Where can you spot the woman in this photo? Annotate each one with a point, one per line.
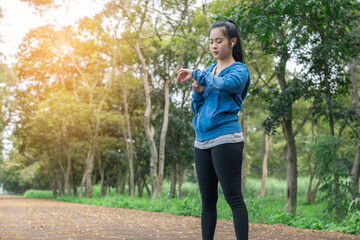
(218, 94)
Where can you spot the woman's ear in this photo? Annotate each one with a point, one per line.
(233, 42)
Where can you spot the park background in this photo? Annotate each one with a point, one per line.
(93, 113)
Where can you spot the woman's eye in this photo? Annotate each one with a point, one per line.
(218, 42)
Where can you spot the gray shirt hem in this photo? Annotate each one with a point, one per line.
(227, 138)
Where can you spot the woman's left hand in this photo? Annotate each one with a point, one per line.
(184, 75)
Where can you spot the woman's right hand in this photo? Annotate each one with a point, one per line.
(197, 88)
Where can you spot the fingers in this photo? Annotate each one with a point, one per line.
(181, 74)
(184, 75)
(178, 78)
(181, 70)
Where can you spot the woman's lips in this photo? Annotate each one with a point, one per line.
(215, 53)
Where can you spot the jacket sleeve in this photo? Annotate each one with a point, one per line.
(235, 81)
(197, 101)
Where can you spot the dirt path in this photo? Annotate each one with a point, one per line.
(24, 218)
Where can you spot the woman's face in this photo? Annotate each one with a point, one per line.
(219, 44)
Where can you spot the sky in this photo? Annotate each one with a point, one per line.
(19, 18)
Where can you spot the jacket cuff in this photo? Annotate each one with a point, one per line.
(195, 73)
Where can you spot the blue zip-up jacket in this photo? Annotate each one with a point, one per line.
(216, 109)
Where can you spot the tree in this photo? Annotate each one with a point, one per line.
(55, 125)
(85, 76)
(270, 30)
(314, 172)
(142, 28)
(329, 22)
(275, 25)
(263, 77)
(136, 21)
(355, 171)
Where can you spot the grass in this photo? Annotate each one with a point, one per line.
(269, 210)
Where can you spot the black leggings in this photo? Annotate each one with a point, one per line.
(221, 163)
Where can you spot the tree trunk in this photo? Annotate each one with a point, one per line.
(122, 186)
(180, 172)
(267, 142)
(164, 127)
(243, 167)
(59, 177)
(60, 185)
(108, 187)
(102, 176)
(129, 146)
(53, 185)
(291, 167)
(89, 165)
(117, 178)
(290, 147)
(140, 186)
(68, 171)
(146, 186)
(328, 100)
(74, 186)
(180, 178)
(173, 179)
(149, 129)
(311, 193)
(355, 171)
(67, 151)
(82, 185)
(163, 135)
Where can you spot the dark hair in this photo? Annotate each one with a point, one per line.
(231, 31)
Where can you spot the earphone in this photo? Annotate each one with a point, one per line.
(232, 44)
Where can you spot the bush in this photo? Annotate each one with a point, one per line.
(38, 194)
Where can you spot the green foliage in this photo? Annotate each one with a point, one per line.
(315, 34)
(354, 205)
(334, 168)
(280, 107)
(31, 193)
(21, 173)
